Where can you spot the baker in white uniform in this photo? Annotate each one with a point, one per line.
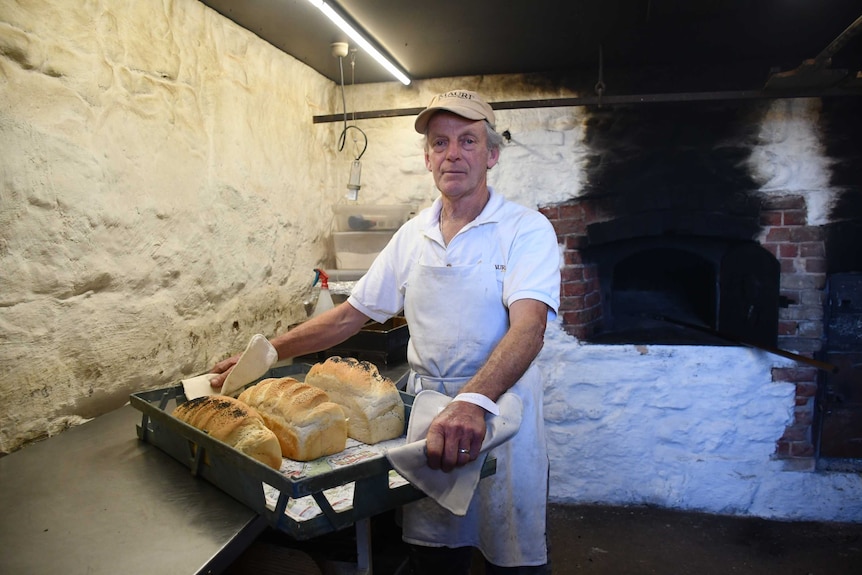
(477, 278)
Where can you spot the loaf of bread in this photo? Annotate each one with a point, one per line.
(371, 402)
(235, 423)
(305, 422)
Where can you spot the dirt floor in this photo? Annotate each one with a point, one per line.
(609, 541)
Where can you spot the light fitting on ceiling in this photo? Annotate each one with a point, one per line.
(345, 27)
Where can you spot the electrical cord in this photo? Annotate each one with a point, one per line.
(342, 139)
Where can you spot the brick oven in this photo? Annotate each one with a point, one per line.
(674, 242)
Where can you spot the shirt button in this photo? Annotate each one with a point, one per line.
(448, 265)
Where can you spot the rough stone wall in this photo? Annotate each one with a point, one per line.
(163, 198)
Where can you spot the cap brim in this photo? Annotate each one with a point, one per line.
(421, 123)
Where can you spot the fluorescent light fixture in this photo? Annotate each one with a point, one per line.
(360, 39)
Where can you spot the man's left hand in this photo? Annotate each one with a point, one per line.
(455, 436)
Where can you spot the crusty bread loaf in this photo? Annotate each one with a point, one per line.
(305, 422)
(235, 423)
(371, 402)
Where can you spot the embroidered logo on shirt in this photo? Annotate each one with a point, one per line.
(500, 267)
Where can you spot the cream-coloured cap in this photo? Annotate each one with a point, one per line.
(465, 103)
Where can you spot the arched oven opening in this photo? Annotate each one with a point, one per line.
(689, 290)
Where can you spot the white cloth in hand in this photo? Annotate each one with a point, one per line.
(255, 361)
(453, 490)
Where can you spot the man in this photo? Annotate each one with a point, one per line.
(477, 278)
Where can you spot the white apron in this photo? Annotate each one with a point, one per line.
(456, 318)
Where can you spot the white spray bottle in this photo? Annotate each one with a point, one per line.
(324, 300)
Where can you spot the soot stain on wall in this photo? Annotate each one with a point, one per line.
(675, 148)
(841, 124)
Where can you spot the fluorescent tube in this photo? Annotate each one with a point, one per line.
(359, 39)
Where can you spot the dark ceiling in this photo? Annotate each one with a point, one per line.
(633, 46)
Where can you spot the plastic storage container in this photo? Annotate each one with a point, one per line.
(364, 218)
(357, 250)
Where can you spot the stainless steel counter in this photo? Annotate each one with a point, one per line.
(95, 499)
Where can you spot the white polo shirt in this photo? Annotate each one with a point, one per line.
(520, 242)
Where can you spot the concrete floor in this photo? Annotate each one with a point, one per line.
(638, 540)
(610, 541)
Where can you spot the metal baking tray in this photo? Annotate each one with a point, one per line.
(366, 476)
(380, 343)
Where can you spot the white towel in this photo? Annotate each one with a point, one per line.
(255, 361)
(453, 490)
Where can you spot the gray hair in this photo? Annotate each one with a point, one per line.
(495, 139)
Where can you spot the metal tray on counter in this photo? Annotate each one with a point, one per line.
(303, 500)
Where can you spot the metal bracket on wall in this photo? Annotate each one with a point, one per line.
(606, 100)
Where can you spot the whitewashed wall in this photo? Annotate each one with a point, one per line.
(160, 179)
(165, 195)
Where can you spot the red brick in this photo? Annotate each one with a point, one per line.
(593, 299)
(806, 389)
(771, 247)
(784, 203)
(572, 273)
(795, 433)
(801, 449)
(815, 265)
(572, 212)
(768, 219)
(572, 258)
(550, 212)
(578, 331)
(575, 257)
(788, 250)
(794, 218)
(812, 250)
(778, 235)
(569, 289)
(569, 318)
(787, 265)
(591, 272)
(567, 227)
(574, 303)
(796, 374)
(590, 315)
(805, 234)
(803, 416)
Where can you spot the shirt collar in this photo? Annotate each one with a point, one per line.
(490, 213)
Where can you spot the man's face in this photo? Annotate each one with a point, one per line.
(457, 154)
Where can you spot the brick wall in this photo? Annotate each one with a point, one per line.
(800, 251)
(580, 295)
